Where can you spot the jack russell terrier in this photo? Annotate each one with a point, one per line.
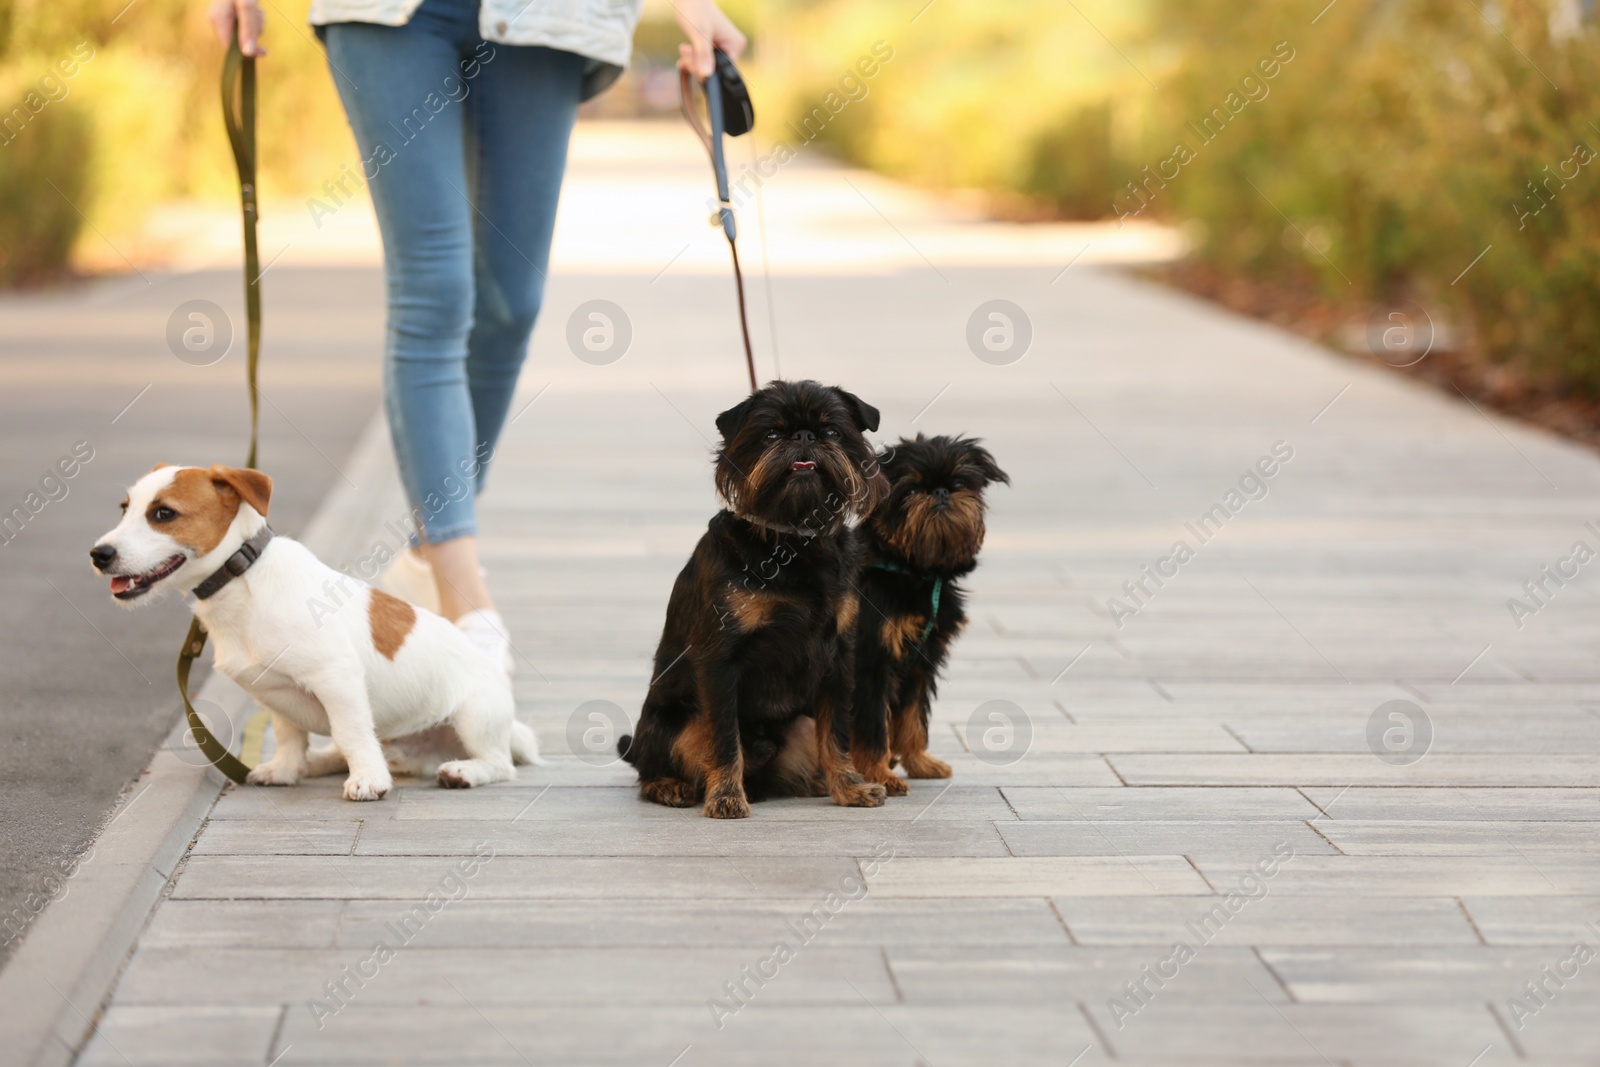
(376, 670)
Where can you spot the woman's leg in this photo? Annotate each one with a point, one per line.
(405, 94)
(520, 120)
(520, 114)
(458, 576)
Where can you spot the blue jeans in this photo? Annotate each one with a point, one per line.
(463, 144)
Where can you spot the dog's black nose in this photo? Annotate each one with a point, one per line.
(805, 437)
(103, 556)
(941, 495)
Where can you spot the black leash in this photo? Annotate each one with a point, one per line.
(730, 112)
(239, 114)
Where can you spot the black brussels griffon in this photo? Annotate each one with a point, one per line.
(753, 673)
(923, 537)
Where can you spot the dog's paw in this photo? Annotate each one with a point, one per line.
(856, 793)
(727, 807)
(272, 773)
(922, 765)
(895, 786)
(670, 791)
(462, 774)
(366, 786)
(878, 771)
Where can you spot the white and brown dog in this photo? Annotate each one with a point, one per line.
(376, 670)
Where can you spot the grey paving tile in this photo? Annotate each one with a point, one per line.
(509, 877)
(316, 799)
(1423, 876)
(450, 1031)
(1536, 731)
(1139, 735)
(1295, 700)
(1165, 804)
(688, 835)
(857, 1032)
(1341, 769)
(1232, 1025)
(1523, 920)
(294, 837)
(946, 800)
(970, 1034)
(1413, 974)
(1471, 838)
(1273, 919)
(1099, 837)
(245, 923)
(561, 766)
(1034, 768)
(1037, 876)
(717, 923)
(1061, 974)
(158, 1035)
(178, 977)
(1561, 1030)
(1456, 804)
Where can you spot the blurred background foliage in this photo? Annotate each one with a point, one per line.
(138, 122)
(1029, 99)
(1406, 138)
(1402, 139)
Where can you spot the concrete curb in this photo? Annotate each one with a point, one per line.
(71, 957)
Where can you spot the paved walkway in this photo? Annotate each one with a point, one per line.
(1199, 831)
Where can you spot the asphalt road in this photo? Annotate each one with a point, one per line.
(86, 373)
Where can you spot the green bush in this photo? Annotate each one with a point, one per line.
(138, 123)
(44, 169)
(1391, 153)
(1023, 97)
(1073, 161)
(1376, 164)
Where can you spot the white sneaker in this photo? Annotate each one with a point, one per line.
(487, 631)
(410, 577)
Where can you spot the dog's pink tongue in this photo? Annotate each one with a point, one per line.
(120, 584)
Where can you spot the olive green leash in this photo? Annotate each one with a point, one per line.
(239, 114)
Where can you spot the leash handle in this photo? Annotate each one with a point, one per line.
(711, 138)
(239, 116)
(719, 161)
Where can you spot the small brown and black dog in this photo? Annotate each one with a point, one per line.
(753, 674)
(923, 537)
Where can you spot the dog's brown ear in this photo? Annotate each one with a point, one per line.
(250, 486)
(865, 415)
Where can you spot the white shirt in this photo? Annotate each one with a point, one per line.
(599, 30)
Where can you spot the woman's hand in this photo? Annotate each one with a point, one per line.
(224, 15)
(706, 27)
